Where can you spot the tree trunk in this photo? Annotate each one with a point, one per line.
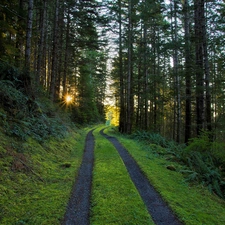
(207, 78)
(29, 35)
(177, 77)
(40, 58)
(60, 49)
(20, 36)
(145, 79)
(130, 70)
(54, 53)
(122, 116)
(187, 72)
(66, 53)
(199, 24)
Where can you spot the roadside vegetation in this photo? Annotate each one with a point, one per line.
(115, 199)
(40, 153)
(36, 179)
(191, 201)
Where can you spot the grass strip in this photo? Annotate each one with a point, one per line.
(35, 184)
(193, 204)
(115, 199)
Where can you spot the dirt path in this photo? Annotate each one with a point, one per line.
(79, 204)
(158, 209)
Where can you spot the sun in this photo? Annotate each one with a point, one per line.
(68, 99)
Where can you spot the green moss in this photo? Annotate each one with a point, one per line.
(193, 204)
(39, 193)
(115, 199)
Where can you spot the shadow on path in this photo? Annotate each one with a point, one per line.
(157, 208)
(77, 212)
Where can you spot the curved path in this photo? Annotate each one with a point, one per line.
(158, 209)
(79, 204)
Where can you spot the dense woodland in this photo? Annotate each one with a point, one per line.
(57, 44)
(169, 70)
(167, 59)
(160, 62)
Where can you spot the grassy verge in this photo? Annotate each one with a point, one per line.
(115, 199)
(36, 179)
(193, 204)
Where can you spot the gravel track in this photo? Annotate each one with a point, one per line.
(157, 208)
(77, 212)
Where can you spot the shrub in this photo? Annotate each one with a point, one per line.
(22, 114)
(203, 158)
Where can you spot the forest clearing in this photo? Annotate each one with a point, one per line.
(152, 72)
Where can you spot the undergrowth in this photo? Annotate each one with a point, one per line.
(203, 161)
(24, 112)
(40, 152)
(36, 178)
(193, 204)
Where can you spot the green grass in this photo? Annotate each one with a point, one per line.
(115, 199)
(36, 179)
(193, 204)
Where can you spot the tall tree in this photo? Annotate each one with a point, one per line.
(29, 34)
(188, 70)
(130, 69)
(199, 23)
(55, 52)
(203, 104)
(41, 42)
(122, 116)
(207, 77)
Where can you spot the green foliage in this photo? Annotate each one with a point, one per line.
(86, 114)
(35, 184)
(115, 199)
(159, 144)
(23, 114)
(200, 144)
(202, 169)
(150, 137)
(204, 163)
(193, 204)
(202, 159)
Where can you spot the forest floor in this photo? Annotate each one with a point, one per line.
(93, 177)
(78, 209)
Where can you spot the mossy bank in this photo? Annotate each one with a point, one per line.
(36, 178)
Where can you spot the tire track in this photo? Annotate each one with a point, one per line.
(77, 212)
(157, 208)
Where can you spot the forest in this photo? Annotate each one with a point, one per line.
(153, 69)
(161, 61)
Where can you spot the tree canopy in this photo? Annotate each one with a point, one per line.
(164, 60)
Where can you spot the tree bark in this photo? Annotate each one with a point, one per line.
(177, 77)
(207, 78)
(29, 35)
(40, 58)
(66, 53)
(122, 116)
(54, 53)
(130, 70)
(188, 71)
(199, 24)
